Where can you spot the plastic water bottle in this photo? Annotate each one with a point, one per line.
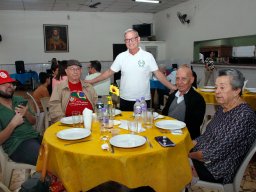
(143, 105)
(99, 106)
(105, 118)
(137, 108)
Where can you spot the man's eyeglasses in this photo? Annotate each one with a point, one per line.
(74, 68)
(89, 68)
(131, 40)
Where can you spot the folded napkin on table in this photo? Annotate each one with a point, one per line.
(124, 125)
(87, 116)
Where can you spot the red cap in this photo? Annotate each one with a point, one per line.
(5, 77)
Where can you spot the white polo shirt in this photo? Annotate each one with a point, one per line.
(136, 71)
(102, 87)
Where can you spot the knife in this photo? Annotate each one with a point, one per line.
(149, 143)
(76, 142)
(112, 148)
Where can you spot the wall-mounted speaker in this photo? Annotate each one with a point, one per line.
(0, 38)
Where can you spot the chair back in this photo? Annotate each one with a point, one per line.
(4, 188)
(39, 117)
(20, 67)
(3, 159)
(7, 167)
(210, 110)
(45, 105)
(243, 166)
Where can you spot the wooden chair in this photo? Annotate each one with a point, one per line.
(45, 105)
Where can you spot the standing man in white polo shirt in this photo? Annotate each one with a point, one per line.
(136, 66)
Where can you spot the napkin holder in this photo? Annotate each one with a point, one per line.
(87, 116)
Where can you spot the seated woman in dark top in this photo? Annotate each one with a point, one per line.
(219, 152)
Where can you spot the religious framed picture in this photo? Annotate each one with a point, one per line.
(56, 38)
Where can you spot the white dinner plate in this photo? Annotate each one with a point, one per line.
(170, 124)
(207, 90)
(127, 141)
(73, 133)
(251, 90)
(209, 87)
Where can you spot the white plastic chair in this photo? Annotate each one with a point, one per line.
(45, 105)
(39, 115)
(7, 166)
(4, 188)
(235, 186)
(210, 110)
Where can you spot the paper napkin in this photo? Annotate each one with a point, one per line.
(87, 116)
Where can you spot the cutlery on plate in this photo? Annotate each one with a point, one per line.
(149, 143)
(76, 142)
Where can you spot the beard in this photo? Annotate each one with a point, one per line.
(6, 95)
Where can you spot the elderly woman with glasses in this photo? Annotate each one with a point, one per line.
(219, 152)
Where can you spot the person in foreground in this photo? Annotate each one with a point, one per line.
(17, 136)
(186, 104)
(94, 70)
(71, 94)
(136, 66)
(220, 150)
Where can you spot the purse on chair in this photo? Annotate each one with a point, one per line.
(43, 181)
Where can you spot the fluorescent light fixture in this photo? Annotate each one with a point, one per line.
(147, 1)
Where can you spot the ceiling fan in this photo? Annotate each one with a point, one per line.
(183, 18)
(91, 4)
(94, 5)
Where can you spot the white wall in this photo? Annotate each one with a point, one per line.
(91, 35)
(210, 19)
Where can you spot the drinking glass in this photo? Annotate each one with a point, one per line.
(133, 126)
(148, 118)
(77, 119)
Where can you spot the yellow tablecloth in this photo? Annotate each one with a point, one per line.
(85, 165)
(209, 97)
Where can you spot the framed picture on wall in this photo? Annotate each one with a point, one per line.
(56, 38)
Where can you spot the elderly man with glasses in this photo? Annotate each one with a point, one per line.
(136, 66)
(71, 94)
(17, 136)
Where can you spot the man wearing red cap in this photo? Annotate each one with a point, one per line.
(17, 136)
